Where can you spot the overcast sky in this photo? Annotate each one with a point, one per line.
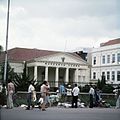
(59, 24)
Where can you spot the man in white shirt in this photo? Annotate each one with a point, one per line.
(31, 89)
(91, 93)
(75, 93)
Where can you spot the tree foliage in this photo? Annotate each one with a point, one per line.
(85, 88)
(106, 88)
(101, 85)
(21, 81)
(9, 73)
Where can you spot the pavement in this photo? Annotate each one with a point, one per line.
(58, 113)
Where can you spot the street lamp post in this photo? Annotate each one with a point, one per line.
(6, 47)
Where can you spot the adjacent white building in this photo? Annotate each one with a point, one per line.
(106, 61)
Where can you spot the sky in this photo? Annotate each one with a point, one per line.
(60, 25)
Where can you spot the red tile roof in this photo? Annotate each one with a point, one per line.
(24, 54)
(110, 42)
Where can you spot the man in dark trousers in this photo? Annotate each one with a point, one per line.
(29, 95)
(91, 93)
(75, 93)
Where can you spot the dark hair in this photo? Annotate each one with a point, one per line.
(91, 85)
(75, 85)
(29, 82)
(45, 82)
(9, 80)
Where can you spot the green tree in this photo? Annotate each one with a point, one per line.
(85, 88)
(99, 85)
(106, 88)
(21, 81)
(9, 73)
(3, 95)
(103, 80)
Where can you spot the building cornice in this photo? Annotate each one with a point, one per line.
(106, 66)
(58, 64)
(106, 48)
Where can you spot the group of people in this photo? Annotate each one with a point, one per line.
(96, 100)
(31, 95)
(65, 94)
(31, 98)
(94, 95)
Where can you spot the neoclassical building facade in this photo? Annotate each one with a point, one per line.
(53, 66)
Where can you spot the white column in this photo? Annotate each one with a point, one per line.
(46, 73)
(67, 75)
(76, 75)
(56, 77)
(35, 73)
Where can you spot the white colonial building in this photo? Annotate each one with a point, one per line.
(106, 61)
(53, 66)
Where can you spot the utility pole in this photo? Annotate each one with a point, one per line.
(6, 47)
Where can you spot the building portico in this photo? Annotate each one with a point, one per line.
(55, 72)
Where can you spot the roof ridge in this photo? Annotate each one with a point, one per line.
(33, 49)
(110, 42)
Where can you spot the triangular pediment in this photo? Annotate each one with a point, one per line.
(62, 57)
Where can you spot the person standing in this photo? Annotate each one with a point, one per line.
(62, 89)
(10, 92)
(44, 89)
(47, 100)
(69, 93)
(97, 98)
(62, 92)
(118, 97)
(91, 93)
(34, 98)
(75, 93)
(31, 89)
